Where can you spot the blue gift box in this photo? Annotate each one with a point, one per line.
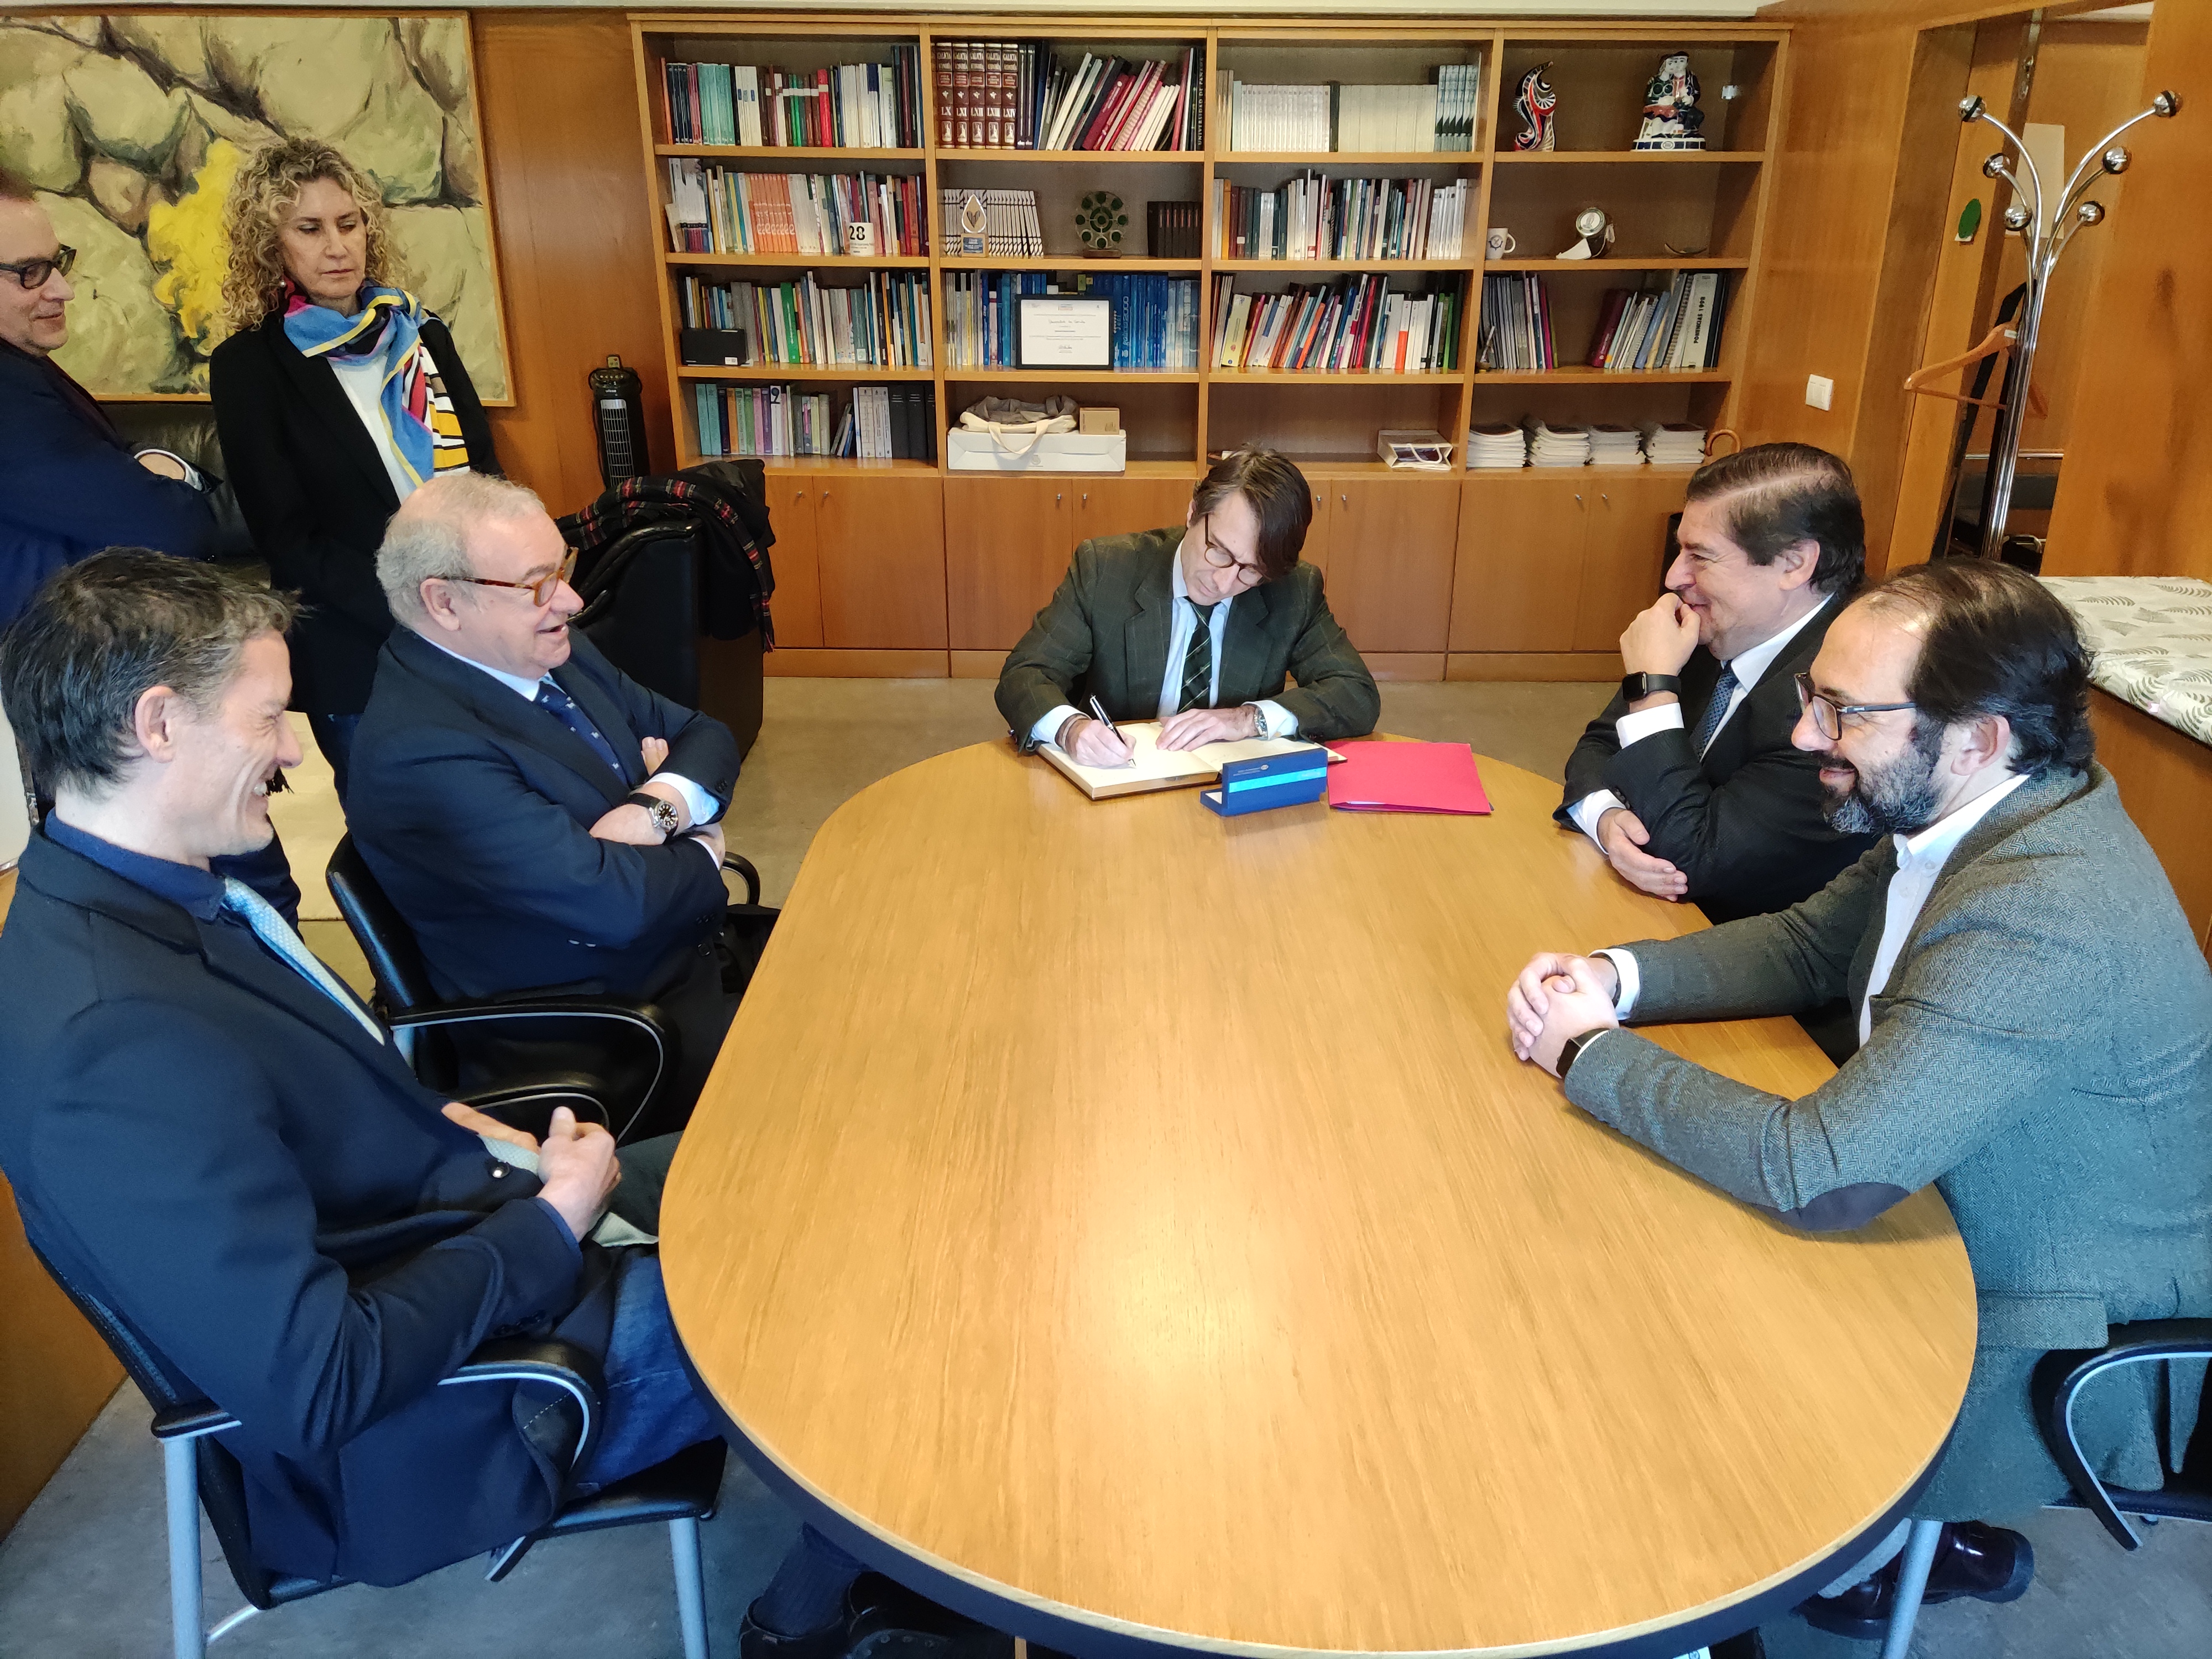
(1289, 778)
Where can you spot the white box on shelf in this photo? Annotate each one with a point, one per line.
(1053, 452)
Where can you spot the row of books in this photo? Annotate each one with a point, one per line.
(881, 322)
(1019, 95)
(900, 422)
(1353, 119)
(1678, 329)
(1155, 319)
(1318, 218)
(1516, 324)
(1171, 230)
(711, 210)
(981, 315)
(997, 223)
(1355, 326)
(874, 105)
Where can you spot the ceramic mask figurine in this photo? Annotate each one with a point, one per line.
(1671, 115)
(1535, 105)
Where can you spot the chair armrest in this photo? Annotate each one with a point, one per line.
(2060, 1377)
(545, 1359)
(743, 866)
(644, 1018)
(191, 1420)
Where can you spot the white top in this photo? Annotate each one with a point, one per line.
(1282, 723)
(1750, 668)
(361, 380)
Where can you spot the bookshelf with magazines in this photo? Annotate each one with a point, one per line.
(1303, 265)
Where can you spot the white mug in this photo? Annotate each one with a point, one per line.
(1498, 243)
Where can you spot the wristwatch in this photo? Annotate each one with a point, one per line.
(663, 815)
(1636, 686)
(1572, 1050)
(1259, 721)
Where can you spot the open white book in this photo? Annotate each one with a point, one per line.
(1155, 768)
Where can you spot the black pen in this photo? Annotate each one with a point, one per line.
(1098, 713)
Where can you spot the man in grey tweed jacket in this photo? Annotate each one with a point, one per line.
(2035, 1024)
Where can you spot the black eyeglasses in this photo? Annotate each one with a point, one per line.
(1828, 715)
(36, 273)
(541, 591)
(1221, 559)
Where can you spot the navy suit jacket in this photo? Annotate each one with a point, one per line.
(272, 1202)
(69, 485)
(474, 809)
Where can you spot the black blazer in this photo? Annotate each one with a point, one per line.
(316, 494)
(1744, 821)
(474, 810)
(267, 1196)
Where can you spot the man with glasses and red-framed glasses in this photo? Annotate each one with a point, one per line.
(1200, 627)
(2034, 1026)
(69, 485)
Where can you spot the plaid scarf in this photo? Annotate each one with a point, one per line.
(419, 423)
(737, 578)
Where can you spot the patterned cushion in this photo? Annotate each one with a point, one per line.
(2152, 637)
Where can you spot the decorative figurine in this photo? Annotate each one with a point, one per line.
(1101, 220)
(975, 226)
(1594, 235)
(1671, 115)
(1536, 105)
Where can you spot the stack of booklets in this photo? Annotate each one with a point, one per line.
(883, 423)
(1355, 326)
(1495, 446)
(1556, 445)
(1516, 323)
(1155, 319)
(1010, 230)
(1678, 328)
(1171, 230)
(897, 424)
(1616, 446)
(851, 106)
(1673, 444)
(980, 316)
(881, 322)
(1353, 120)
(712, 211)
(1318, 218)
(1019, 94)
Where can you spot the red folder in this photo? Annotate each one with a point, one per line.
(1407, 777)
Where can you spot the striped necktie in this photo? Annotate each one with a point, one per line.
(273, 931)
(1198, 661)
(1716, 710)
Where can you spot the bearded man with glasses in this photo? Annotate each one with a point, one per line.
(1200, 627)
(2034, 1025)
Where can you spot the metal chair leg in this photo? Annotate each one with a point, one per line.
(180, 1475)
(690, 1592)
(1911, 1583)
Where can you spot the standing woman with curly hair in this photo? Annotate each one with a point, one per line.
(335, 395)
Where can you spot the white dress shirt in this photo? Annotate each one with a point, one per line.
(1920, 860)
(1750, 667)
(361, 380)
(1281, 722)
(703, 806)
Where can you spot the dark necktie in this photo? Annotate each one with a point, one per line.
(563, 706)
(1716, 710)
(1198, 662)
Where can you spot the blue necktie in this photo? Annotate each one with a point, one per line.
(273, 931)
(1716, 710)
(551, 697)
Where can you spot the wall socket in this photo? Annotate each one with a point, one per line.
(1819, 391)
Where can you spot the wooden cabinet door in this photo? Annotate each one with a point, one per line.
(1007, 544)
(1118, 507)
(1624, 554)
(796, 605)
(1518, 579)
(1315, 551)
(880, 542)
(1390, 544)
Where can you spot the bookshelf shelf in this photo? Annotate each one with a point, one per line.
(796, 261)
(1581, 375)
(1075, 376)
(799, 372)
(1144, 157)
(787, 152)
(1411, 158)
(1087, 265)
(1241, 265)
(1664, 262)
(1634, 158)
(1321, 377)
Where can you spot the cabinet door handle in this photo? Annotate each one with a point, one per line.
(1086, 498)
(1606, 499)
(1055, 498)
(1578, 498)
(1346, 500)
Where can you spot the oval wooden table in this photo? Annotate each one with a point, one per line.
(1131, 1226)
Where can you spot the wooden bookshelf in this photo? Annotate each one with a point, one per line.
(1713, 199)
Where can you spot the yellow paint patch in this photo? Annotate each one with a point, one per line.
(186, 240)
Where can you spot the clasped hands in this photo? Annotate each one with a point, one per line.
(1558, 997)
(1093, 743)
(633, 826)
(1659, 640)
(576, 1166)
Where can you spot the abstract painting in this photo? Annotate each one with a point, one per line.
(132, 126)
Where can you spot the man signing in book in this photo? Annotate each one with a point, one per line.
(1201, 628)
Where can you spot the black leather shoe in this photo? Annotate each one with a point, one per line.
(757, 1641)
(1972, 1559)
(889, 1621)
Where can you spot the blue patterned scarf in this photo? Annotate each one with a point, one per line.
(424, 432)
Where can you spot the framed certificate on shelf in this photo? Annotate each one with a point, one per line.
(1057, 331)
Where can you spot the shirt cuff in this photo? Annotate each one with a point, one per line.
(1281, 722)
(704, 807)
(1667, 717)
(1590, 808)
(1631, 981)
(1049, 727)
(192, 474)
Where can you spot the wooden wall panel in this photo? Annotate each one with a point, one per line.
(577, 242)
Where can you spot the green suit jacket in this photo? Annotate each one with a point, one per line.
(2042, 1052)
(1105, 634)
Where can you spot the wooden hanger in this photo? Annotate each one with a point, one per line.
(1997, 343)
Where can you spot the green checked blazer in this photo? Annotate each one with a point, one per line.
(1105, 634)
(2042, 1052)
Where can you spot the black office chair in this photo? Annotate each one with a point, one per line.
(199, 1472)
(2060, 1378)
